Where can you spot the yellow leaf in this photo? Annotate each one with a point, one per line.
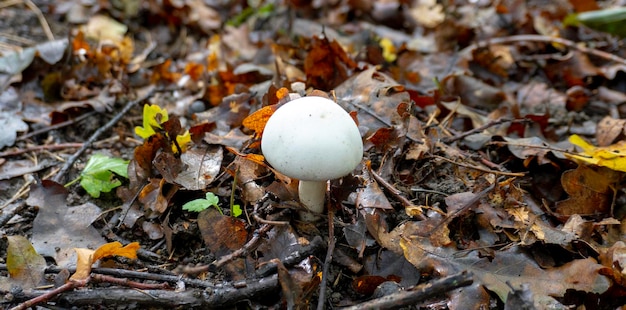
(84, 261)
(183, 141)
(612, 156)
(389, 50)
(153, 117)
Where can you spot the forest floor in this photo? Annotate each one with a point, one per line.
(132, 175)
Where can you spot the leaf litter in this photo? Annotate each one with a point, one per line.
(492, 136)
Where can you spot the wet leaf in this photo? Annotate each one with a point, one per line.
(327, 64)
(223, 234)
(116, 249)
(58, 227)
(84, 260)
(25, 266)
(511, 267)
(257, 120)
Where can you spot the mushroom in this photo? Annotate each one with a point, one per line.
(314, 140)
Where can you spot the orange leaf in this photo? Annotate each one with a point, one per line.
(194, 70)
(257, 120)
(282, 93)
(79, 43)
(116, 249)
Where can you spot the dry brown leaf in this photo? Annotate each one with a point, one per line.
(609, 129)
(589, 192)
(84, 261)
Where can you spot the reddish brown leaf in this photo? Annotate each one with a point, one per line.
(327, 64)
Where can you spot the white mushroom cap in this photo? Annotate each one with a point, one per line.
(312, 139)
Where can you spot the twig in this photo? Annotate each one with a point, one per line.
(41, 18)
(7, 214)
(56, 126)
(51, 294)
(394, 191)
(321, 302)
(513, 174)
(70, 161)
(41, 148)
(125, 282)
(466, 52)
(418, 293)
(292, 259)
(219, 295)
(480, 129)
(246, 248)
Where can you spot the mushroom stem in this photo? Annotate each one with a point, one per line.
(313, 195)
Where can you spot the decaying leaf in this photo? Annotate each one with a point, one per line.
(25, 266)
(511, 266)
(223, 234)
(201, 166)
(58, 228)
(589, 192)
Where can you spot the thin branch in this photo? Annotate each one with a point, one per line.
(417, 294)
(512, 174)
(56, 126)
(321, 301)
(466, 52)
(41, 18)
(38, 148)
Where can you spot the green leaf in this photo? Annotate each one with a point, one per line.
(236, 211)
(199, 205)
(212, 199)
(97, 176)
(611, 21)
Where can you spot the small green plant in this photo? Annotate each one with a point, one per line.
(97, 176)
(198, 205)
